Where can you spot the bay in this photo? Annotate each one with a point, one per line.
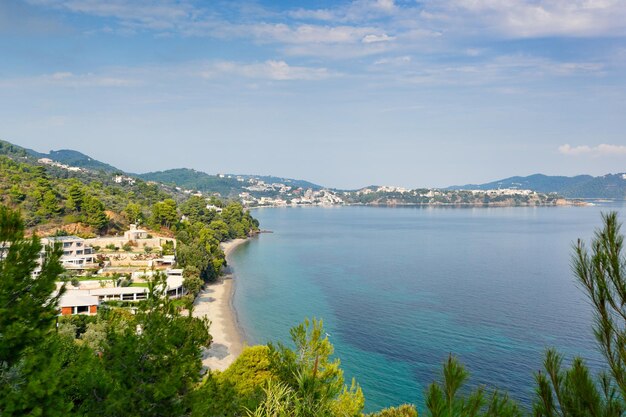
(399, 289)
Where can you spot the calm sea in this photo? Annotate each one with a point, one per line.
(401, 288)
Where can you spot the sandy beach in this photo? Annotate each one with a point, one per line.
(214, 302)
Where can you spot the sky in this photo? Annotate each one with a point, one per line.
(342, 93)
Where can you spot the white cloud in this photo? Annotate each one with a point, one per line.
(317, 14)
(599, 150)
(144, 14)
(71, 80)
(311, 33)
(269, 70)
(400, 60)
(377, 38)
(529, 19)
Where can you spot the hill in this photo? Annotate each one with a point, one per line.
(228, 186)
(580, 186)
(75, 159)
(196, 180)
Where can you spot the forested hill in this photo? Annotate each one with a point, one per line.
(74, 159)
(580, 186)
(56, 197)
(227, 185)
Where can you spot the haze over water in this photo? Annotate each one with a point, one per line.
(401, 288)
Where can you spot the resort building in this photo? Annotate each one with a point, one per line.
(77, 255)
(135, 234)
(87, 301)
(78, 303)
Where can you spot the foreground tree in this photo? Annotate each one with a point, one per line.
(314, 382)
(444, 399)
(28, 361)
(573, 391)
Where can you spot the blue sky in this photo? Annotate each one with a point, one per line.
(346, 94)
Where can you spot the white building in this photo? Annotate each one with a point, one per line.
(76, 253)
(135, 234)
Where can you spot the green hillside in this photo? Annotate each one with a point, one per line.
(191, 179)
(580, 186)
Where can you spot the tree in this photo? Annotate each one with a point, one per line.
(164, 213)
(28, 365)
(154, 359)
(444, 399)
(133, 213)
(315, 381)
(75, 197)
(93, 213)
(405, 410)
(573, 392)
(195, 209)
(50, 204)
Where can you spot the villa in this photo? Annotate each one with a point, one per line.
(77, 255)
(135, 234)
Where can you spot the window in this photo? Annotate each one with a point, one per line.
(82, 309)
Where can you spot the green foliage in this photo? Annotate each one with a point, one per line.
(193, 284)
(93, 213)
(76, 197)
(164, 213)
(405, 410)
(133, 213)
(27, 313)
(573, 391)
(163, 350)
(445, 399)
(79, 321)
(279, 401)
(315, 380)
(214, 398)
(248, 375)
(195, 210)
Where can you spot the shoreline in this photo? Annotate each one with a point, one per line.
(215, 302)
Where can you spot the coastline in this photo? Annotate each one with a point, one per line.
(215, 303)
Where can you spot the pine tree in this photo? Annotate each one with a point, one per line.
(573, 391)
(28, 308)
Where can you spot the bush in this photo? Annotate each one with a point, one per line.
(75, 282)
(127, 247)
(401, 411)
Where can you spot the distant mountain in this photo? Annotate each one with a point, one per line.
(580, 186)
(196, 180)
(226, 185)
(287, 181)
(75, 159)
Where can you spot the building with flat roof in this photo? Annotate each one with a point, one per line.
(72, 303)
(77, 254)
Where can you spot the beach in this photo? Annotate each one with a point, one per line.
(215, 303)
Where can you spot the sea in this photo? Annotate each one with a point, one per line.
(399, 289)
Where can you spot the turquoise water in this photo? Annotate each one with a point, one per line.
(401, 288)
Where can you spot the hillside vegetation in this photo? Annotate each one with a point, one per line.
(54, 200)
(580, 186)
